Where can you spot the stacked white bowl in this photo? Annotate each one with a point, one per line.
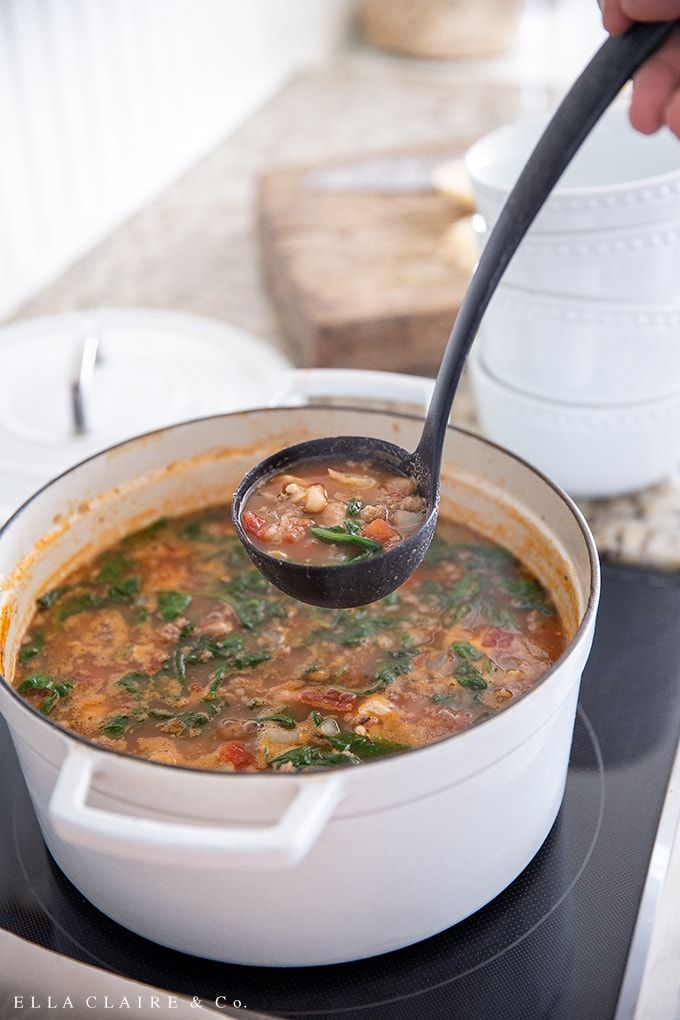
(577, 366)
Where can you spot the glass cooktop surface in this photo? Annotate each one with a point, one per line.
(552, 945)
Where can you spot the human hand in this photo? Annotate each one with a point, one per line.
(656, 85)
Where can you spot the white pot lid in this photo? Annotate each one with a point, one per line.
(153, 368)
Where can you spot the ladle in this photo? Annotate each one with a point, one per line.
(355, 584)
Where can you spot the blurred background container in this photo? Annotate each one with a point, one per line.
(441, 28)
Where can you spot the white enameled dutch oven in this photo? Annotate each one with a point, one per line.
(297, 869)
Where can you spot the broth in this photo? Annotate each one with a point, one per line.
(171, 646)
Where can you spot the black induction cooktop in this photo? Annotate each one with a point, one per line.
(555, 944)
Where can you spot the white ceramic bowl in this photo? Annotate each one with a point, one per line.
(618, 178)
(592, 451)
(639, 263)
(579, 350)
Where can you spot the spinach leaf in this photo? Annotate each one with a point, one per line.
(309, 756)
(118, 725)
(195, 533)
(454, 602)
(42, 681)
(355, 506)
(50, 597)
(175, 667)
(148, 532)
(282, 718)
(171, 604)
(474, 556)
(353, 527)
(352, 626)
(365, 748)
(449, 598)
(215, 685)
(223, 543)
(444, 699)
(484, 558)
(245, 582)
(242, 592)
(397, 663)
(134, 683)
(526, 594)
(339, 535)
(488, 552)
(193, 720)
(113, 568)
(246, 660)
(464, 650)
(316, 717)
(32, 647)
(80, 604)
(55, 689)
(500, 616)
(313, 668)
(59, 690)
(230, 650)
(124, 591)
(467, 652)
(35, 682)
(469, 676)
(367, 555)
(230, 552)
(180, 665)
(207, 648)
(251, 612)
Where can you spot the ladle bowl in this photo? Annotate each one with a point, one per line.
(347, 584)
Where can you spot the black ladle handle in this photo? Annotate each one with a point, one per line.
(590, 95)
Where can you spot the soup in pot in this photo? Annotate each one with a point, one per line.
(171, 646)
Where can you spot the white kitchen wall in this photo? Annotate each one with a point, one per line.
(105, 102)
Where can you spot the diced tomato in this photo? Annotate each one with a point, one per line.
(253, 523)
(236, 755)
(331, 700)
(497, 638)
(380, 531)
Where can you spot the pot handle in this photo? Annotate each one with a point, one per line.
(353, 383)
(253, 847)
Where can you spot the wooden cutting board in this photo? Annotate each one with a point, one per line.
(358, 279)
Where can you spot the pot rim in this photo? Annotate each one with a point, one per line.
(576, 641)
